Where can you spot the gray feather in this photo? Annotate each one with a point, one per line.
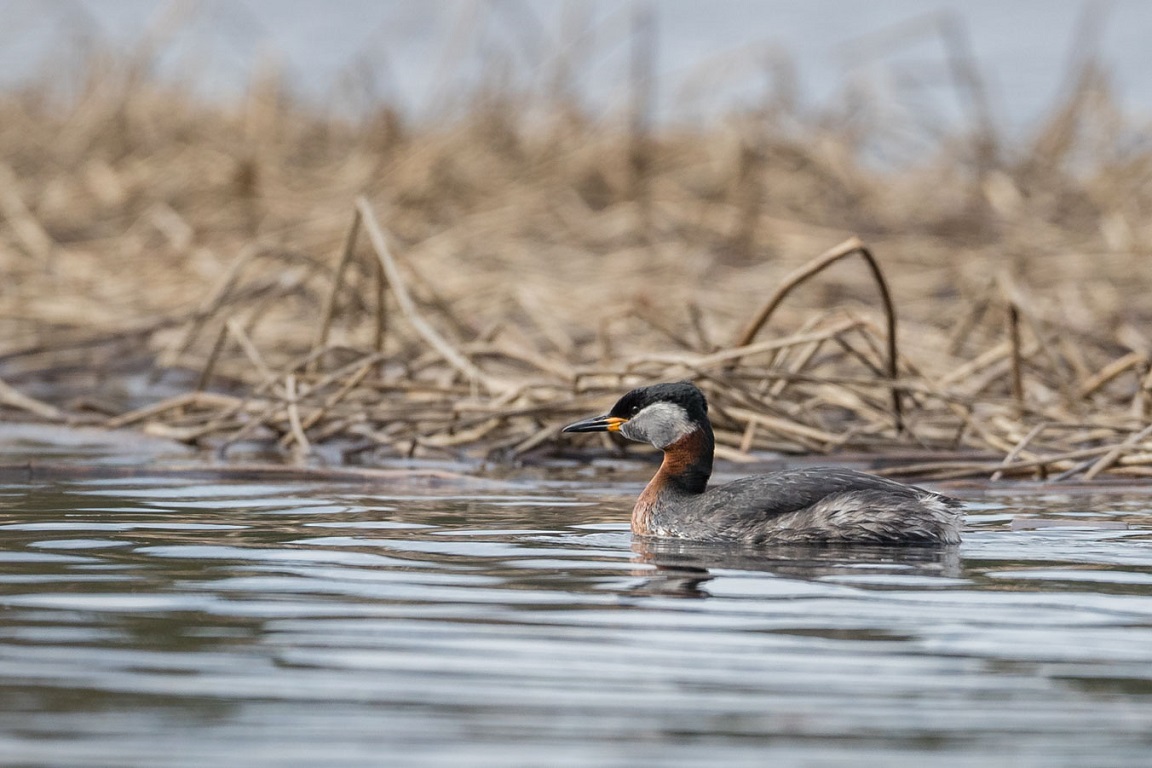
(819, 504)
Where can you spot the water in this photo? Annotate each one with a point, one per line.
(161, 621)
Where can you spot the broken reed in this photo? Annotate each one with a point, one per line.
(284, 277)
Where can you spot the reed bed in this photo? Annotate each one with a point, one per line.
(263, 273)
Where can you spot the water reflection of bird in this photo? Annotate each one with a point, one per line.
(797, 506)
(881, 564)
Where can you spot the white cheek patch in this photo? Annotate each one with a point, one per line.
(660, 424)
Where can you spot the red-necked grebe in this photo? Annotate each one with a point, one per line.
(797, 506)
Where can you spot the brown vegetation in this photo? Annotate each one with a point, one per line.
(265, 272)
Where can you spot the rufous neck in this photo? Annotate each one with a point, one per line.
(685, 470)
(687, 462)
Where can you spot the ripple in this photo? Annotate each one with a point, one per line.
(252, 621)
(79, 544)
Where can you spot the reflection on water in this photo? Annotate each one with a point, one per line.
(874, 565)
(175, 623)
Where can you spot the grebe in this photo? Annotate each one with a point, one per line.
(797, 506)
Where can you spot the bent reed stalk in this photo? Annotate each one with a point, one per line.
(267, 273)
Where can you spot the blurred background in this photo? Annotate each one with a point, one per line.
(708, 58)
(578, 197)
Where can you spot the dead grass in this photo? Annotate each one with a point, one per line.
(264, 272)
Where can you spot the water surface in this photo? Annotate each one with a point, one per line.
(161, 621)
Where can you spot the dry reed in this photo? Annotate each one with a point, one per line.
(265, 273)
